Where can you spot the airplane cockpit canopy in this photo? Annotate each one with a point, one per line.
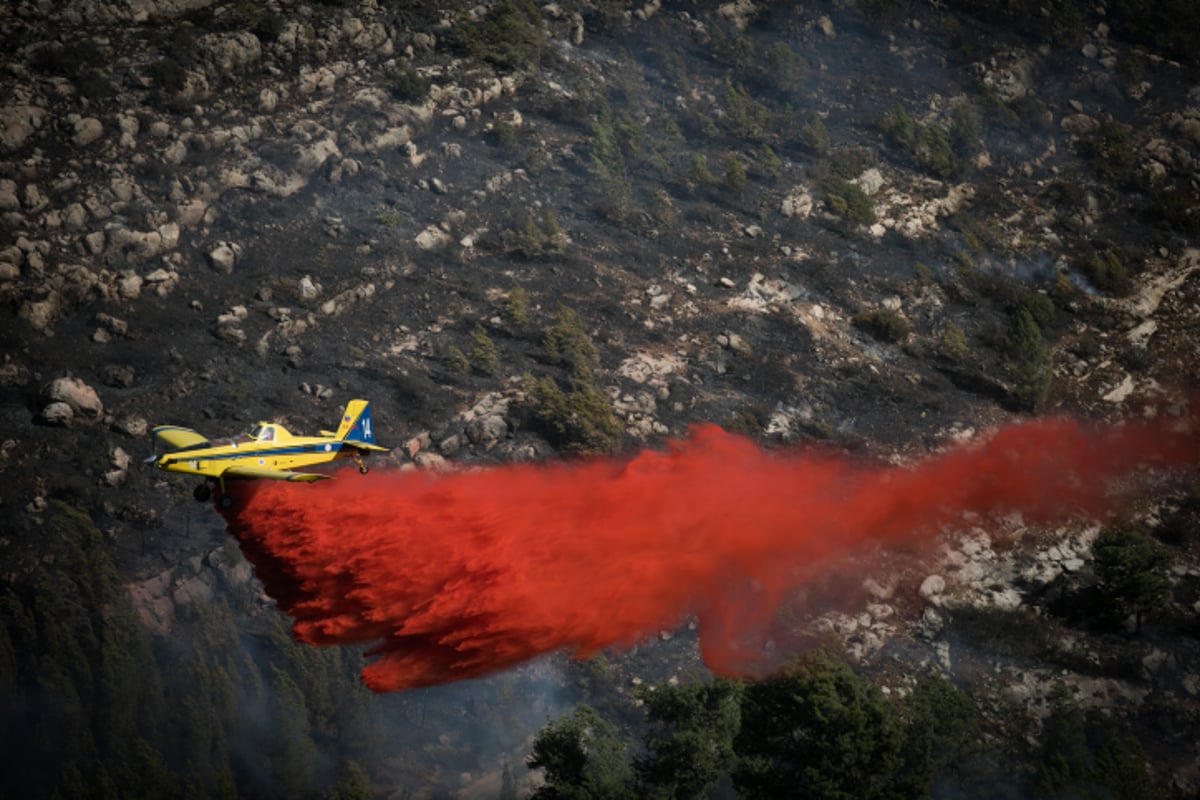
(262, 432)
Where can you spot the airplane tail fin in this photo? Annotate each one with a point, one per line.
(356, 423)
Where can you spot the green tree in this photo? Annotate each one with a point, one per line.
(735, 174)
(1028, 360)
(820, 731)
(353, 783)
(568, 342)
(484, 354)
(582, 418)
(293, 755)
(698, 173)
(610, 171)
(746, 117)
(814, 135)
(1121, 769)
(1133, 572)
(941, 736)
(516, 307)
(583, 759)
(508, 784)
(954, 342)
(1064, 762)
(690, 746)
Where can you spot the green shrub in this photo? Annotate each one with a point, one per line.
(698, 173)
(568, 343)
(770, 162)
(664, 212)
(785, 68)
(484, 355)
(966, 129)
(925, 145)
(883, 324)
(1039, 306)
(1111, 147)
(746, 117)
(735, 174)
(516, 308)
(610, 171)
(848, 200)
(581, 419)
(509, 35)
(406, 84)
(1176, 209)
(1108, 272)
(954, 343)
(458, 360)
(923, 274)
(814, 135)
(537, 237)
(168, 75)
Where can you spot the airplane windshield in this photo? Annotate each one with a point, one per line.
(255, 432)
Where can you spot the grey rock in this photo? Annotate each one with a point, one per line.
(81, 398)
(225, 256)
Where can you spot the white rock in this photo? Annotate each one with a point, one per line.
(432, 238)
(17, 124)
(57, 414)
(82, 399)
(932, 586)
(797, 203)
(9, 200)
(225, 256)
(88, 130)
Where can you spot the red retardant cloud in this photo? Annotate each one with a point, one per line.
(452, 576)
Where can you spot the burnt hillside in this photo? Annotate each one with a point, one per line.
(529, 232)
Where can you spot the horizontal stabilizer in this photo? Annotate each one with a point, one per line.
(175, 438)
(272, 474)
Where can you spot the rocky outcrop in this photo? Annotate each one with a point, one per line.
(70, 401)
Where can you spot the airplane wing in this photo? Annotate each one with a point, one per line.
(272, 474)
(175, 438)
(365, 447)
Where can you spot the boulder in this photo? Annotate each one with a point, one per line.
(225, 256)
(932, 588)
(17, 124)
(57, 413)
(87, 130)
(80, 398)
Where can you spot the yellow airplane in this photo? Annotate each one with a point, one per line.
(267, 451)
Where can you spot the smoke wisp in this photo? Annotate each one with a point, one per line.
(456, 575)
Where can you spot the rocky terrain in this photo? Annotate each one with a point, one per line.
(830, 221)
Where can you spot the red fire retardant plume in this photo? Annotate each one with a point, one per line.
(455, 575)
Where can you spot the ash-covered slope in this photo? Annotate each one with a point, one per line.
(523, 231)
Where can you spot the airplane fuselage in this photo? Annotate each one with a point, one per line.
(296, 453)
(267, 452)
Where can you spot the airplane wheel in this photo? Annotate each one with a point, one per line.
(363, 470)
(225, 502)
(203, 493)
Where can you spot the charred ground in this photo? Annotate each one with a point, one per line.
(807, 223)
